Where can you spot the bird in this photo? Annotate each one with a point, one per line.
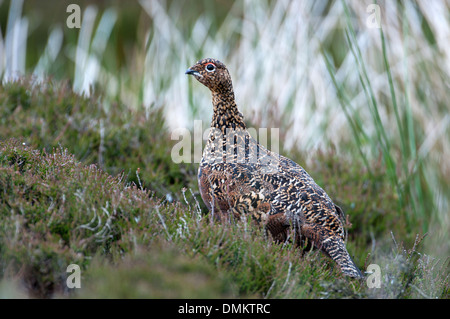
(240, 178)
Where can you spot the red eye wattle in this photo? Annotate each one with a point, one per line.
(210, 67)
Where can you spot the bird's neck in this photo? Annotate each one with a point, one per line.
(226, 114)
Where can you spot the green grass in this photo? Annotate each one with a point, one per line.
(381, 140)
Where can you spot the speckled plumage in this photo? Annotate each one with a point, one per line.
(238, 176)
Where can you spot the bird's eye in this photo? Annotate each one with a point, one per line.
(210, 67)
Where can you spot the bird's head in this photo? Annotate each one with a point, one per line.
(213, 74)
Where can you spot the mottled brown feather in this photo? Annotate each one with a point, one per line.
(239, 177)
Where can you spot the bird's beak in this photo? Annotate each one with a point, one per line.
(193, 72)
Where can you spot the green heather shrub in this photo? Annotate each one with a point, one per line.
(159, 272)
(115, 138)
(55, 211)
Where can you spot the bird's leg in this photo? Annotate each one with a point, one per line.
(278, 226)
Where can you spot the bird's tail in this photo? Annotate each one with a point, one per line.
(335, 248)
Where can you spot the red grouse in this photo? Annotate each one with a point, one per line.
(239, 177)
